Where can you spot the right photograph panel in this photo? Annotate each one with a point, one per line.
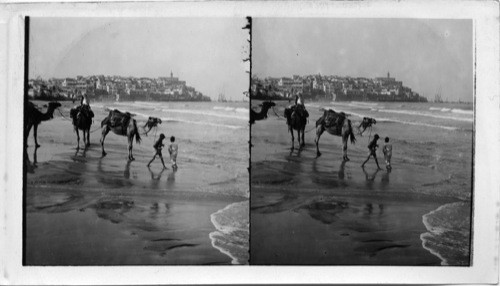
(361, 141)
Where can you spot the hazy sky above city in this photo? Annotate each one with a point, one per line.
(207, 53)
(427, 55)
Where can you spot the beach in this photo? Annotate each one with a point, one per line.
(85, 209)
(308, 210)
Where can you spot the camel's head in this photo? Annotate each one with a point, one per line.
(369, 121)
(154, 120)
(54, 104)
(268, 104)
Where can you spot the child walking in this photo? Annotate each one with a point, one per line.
(158, 146)
(372, 147)
(387, 149)
(172, 149)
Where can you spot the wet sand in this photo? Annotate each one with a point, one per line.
(84, 209)
(320, 211)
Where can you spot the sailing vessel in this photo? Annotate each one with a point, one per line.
(222, 96)
(437, 97)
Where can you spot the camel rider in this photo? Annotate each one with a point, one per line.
(299, 99)
(299, 104)
(85, 106)
(84, 100)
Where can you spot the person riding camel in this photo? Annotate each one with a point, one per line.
(299, 105)
(85, 106)
(84, 100)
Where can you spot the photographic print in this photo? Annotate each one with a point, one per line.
(236, 142)
(136, 141)
(362, 141)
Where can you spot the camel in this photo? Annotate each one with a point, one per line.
(336, 124)
(152, 122)
(263, 111)
(82, 119)
(34, 117)
(121, 124)
(297, 120)
(367, 122)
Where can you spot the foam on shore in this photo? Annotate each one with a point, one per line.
(231, 237)
(448, 228)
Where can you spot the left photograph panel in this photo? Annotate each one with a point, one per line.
(136, 141)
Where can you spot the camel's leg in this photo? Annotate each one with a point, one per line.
(303, 141)
(293, 138)
(35, 161)
(84, 133)
(105, 131)
(298, 138)
(88, 138)
(130, 143)
(319, 130)
(78, 138)
(344, 147)
(28, 129)
(35, 132)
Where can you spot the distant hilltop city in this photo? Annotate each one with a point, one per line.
(115, 88)
(334, 88)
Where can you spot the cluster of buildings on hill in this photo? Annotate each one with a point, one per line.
(115, 88)
(334, 88)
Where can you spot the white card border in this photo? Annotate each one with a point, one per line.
(484, 268)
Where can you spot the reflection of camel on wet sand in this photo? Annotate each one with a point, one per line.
(254, 116)
(80, 158)
(121, 124)
(335, 124)
(115, 178)
(34, 117)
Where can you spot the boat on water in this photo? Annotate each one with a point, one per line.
(222, 95)
(437, 97)
(221, 98)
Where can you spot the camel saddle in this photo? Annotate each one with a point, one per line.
(292, 112)
(297, 110)
(333, 119)
(81, 110)
(118, 118)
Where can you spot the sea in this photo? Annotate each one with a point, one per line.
(211, 134)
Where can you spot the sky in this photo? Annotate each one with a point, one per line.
(207, 53)
(428, 55)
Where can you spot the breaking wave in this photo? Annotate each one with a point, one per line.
(199, 112)
(446, 238)
(232, 234)
(417, 113)
(234, 109)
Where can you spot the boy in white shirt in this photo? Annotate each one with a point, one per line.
(387, 149)
(172, 150)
